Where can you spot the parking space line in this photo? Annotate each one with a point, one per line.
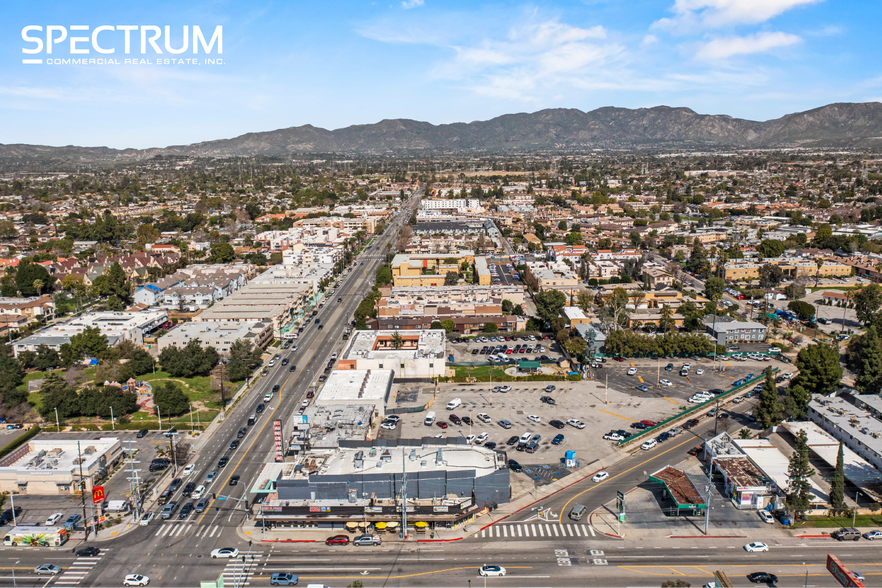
(617, 415)
(639, 377)
(671, 401)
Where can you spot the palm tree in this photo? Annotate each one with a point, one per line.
(819, 261)
(397, 340)
(38, 286)
(667, 314)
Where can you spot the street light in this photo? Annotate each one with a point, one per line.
(13, 573)
(854, 512)
(57, 422)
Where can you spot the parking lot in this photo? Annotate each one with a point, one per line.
(500, 274)
(470, 350)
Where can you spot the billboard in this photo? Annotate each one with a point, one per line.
(842, 573)
(277, 439)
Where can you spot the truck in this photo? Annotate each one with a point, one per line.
(117, 506)
(30, 536)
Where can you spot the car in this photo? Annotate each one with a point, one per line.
(454, 403)
(699, 371)
(88, 552)
(666, 383)
(283, 579)
(234, 480)
(489, 570)
(490, 445)
(441, 424)
(175, 484)
(188, 489)
(259, 408)
(695, 450)
(455, 419)
(72, 520)
(481, 438)
(47, 568)
(142, 433)
(873, 535)
(367, 540)
(224, 460)
(505, 424)
(505, 389)
(632, 371)
(513, 440)
(647, 445)
(515, 466)
(466, 420)
(763, 577)
(600, 476)
(547, 400)
(613, 436)
(557, 424)
(549, 389)
(619, 359)
(738, 399)
(234, 445)
(663, 437)
(756, 546)
(484, 417)
(146, 518)
(669, 367)
(136, 580)
(224, 552)
(766, 516)
(558, 439)
(337, 540)
(211, 476)
(471, 439)
(186, 510)
(389, 426)
(534, 418)
(53, 519)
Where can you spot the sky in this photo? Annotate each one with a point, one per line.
(336, 63)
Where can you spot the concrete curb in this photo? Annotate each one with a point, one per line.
(591, 524)
(706, 537)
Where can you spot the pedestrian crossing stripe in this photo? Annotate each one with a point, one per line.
(206, 531)
(535, 530)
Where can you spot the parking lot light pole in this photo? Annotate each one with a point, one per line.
(854, 512)
(57, 422)
(13, 573)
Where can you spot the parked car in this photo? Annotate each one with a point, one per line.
(695, 450)
(766, 516)
(367, 540)
(337, 540)
(558, 439)
(647, 445)
(515, 466)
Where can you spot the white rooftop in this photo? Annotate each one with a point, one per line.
(393, 459)
(356, 387)
(376, 344)
(773, 463)
(54, 456)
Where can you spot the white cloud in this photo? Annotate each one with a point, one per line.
(724, 47)
(649, 40)
(408, 4)
(691, 14)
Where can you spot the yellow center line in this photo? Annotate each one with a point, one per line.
(278, 406)
(727, 362)
(595, 486)
(616, 415)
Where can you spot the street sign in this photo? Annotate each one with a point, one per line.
(97, 494)
(620, 495)
(842, 574)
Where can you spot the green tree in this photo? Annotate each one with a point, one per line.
(771, 248)
(507, 306)
(794, 291)
(714, 288)
(384, 275)
(90, 342)
(192, 360)
(448, 325)
(768, 410)
(549, 304)
(798, 496)
(867, 302)
(518, 310)
(11, 376)
(222, 253)
(27, 273)
(770, 275)
(140, 363)
(574, 239)
(803, 310)
(491, 328)
(837, 483)
(56, 393)
(819, 369)
(397, 340)
(116, 283)
(171, 400)
(869, 380)
(797, 401)
(436, 325)
(46, 358)
(451, 278)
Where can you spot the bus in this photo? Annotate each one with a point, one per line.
(37, 536)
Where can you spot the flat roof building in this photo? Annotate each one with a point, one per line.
(218, 334)
(855, 427)
(359, 386)
(52, 466)
(421, 353)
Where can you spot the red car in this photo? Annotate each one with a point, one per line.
(619, 358)
(690, 423)
(455, 419)
(649, 423)
(695, 450)
(310, 394)
(442, 424)
(337, 540)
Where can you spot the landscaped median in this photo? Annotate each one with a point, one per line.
(690, 412)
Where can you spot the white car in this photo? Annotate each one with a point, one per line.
(576, 423)
(613, 437)
(454, 403)
(484, 417)
(699, 371)
(632, 371)
(272, 362)
(470, 439)
(766, 516)
(505, 388)
(788, 375)
(136, 580)
(737, 399)
(198, 493)
(667, 383)
(600, 476)
(481, 438)
(389, 426)
(227, 552)
(188, 470)
(649, 445)
(534, 418)
(756, 546)
(54, 518)
(488, 570)
(147, 518)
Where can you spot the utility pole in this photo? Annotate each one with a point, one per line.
(82, 486)
(404, 495)
(135, 479)
(707, 490)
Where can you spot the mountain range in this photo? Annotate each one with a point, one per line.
(661, 127)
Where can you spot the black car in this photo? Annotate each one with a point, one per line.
(557, 424)
(234, 445)
(513, 440)
(547, 400)
(285, 361)
(88, 552)
(241, 432)
(234, 480)
(175, 484)
(766, 577)
(259, 408)
(639, 426)
(223, 461)
(669, 367)
(142, 433)
(514, 466)
(186, 510)
(276, 388)
(490, 445)
(455, 419)
(292, 368)
(467, 421)
(188, 489)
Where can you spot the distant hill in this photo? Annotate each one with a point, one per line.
(835, 125)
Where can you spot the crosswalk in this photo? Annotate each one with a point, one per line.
(183, 530)
(78, 570)
(535, 530)
(238, 572)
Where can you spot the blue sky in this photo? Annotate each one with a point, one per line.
(338, 63)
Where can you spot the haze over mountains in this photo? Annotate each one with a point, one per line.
(661, 127)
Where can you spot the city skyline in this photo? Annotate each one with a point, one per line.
(355, 63)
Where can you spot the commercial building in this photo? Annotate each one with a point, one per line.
(856, 427)
(743, 483)
(447, 483)
(116, 326)
(426, 270)
(685, 496)
(357, 386)
(727, 330)
(409, 354)
(218, 334)
(457, 204)
(52, 466)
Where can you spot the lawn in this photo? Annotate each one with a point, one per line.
(479, 372)
(845, 521)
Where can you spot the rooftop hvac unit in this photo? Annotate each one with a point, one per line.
(413, 454)
(90, 450)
